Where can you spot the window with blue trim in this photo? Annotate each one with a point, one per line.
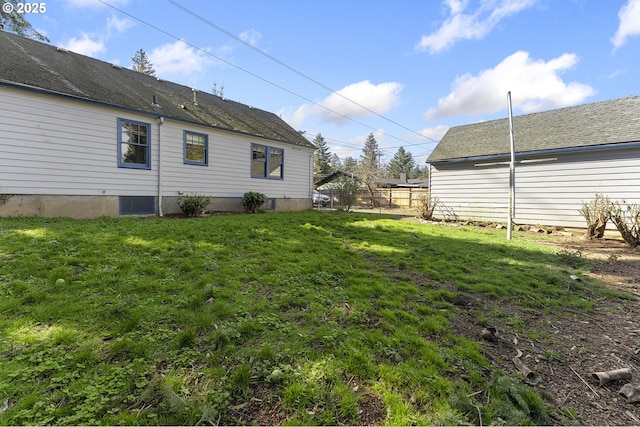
(267, 162)
(134, 149)
(196, 148)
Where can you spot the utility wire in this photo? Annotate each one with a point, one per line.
(290, 68)
(245, 70)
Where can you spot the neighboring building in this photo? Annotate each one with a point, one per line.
(83, 138)
(563, 157)
(324, 181)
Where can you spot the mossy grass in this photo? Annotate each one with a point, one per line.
(309, 317)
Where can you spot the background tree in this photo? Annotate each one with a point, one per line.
(321, 157)
(335, 162)
(369, 166)
(420, 172)
(216, 91)
(142, 63)
(346, 189)
(402, 162)
(349, 165)
(14, 22)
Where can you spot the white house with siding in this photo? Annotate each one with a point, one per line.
(84, 138)
(563, 157)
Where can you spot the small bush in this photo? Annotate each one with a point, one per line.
(597, 213)
(251, 201)
(193, 204)
(426, 205)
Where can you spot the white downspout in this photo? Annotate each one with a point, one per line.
(160, 122)
(311, 177)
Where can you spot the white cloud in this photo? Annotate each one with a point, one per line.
(177, 58)
(118, 26)
(338, 106)
(614, 74)
(92, 44)
(434, 133)
(85, 45)
(535, 85)
(472, 25)
(226, 51)
(251, 37)
(629, 23)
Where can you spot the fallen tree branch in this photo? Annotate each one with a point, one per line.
(585, 383)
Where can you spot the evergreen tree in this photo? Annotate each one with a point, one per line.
(335, 162)
(142, 63)
(402, 162)
(370, 157)
(14, 22)
(369, 166)
(350, 165)
(420, 172)
(321, 157)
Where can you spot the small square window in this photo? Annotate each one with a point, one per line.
(196, 148)
(267, 162)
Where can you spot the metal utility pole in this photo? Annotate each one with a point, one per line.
(512, 173)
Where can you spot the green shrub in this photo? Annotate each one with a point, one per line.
(193, 204)
(251, 201)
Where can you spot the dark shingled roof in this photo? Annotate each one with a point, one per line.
(33, 65)
(601, 123)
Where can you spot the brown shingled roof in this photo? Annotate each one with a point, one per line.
(38, 66)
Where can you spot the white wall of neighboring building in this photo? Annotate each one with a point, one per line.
(550, 188)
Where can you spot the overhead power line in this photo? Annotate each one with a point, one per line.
(155, 27)
(290, 68)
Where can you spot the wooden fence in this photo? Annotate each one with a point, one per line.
(385, 197)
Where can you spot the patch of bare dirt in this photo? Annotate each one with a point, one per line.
(570, 348)
(615, 263)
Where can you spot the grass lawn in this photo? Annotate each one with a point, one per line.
(276, 318)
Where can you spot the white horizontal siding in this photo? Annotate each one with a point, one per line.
(55, 146)
(550, 192)
(228, 173)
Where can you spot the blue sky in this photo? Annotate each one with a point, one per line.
(404, 70)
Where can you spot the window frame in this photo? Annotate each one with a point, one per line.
(206, 148)
(131, 165)
(266, 174)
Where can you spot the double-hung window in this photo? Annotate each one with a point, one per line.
(196, 148)
(134, 144)
(267, 162)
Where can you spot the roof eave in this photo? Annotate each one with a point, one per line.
(615, 146)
